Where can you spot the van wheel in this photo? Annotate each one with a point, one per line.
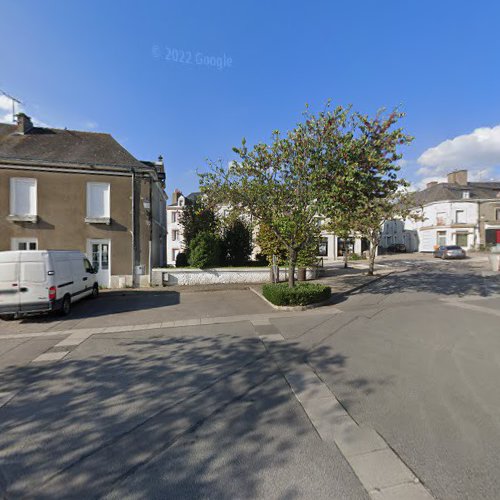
(95, 291)
(66, 306)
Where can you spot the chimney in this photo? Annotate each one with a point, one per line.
(432, 183)
(458, 177)
(175, 197)
(24, 123)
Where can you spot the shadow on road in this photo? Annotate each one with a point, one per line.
(83, 427)
(113, 302)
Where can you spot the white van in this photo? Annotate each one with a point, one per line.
(43, 281)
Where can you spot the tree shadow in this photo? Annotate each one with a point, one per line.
(115, 302)
(429, 279)
(145, 415)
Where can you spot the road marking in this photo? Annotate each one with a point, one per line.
(50, 356)
(381, 472)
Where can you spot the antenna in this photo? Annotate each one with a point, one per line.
(14, 101)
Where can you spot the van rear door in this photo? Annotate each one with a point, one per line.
(9, 283)
(33, 288)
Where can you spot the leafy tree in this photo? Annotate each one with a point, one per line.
(274, 184)
(205, 249)
(236, 242)
(398, 205)
(197, 217)
(181, 260)
(358, 176)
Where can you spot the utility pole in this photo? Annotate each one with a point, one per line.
(14, 101)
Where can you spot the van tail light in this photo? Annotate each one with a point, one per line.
(52, 293)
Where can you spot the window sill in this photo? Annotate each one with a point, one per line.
(23, 218)
(98, 220)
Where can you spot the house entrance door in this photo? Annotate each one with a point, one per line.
(99, 254)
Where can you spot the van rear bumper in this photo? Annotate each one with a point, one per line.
(29, 308)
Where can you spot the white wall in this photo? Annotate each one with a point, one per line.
(442, 217)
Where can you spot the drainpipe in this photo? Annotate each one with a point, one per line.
(150, 230)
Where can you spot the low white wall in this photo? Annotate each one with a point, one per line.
(162, 276)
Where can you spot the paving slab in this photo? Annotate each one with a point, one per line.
(380, 469)
(408, 491)
(50, 356)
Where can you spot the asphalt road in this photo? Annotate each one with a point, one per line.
(204, 412)
(416, 356)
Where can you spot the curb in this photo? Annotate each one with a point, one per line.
(292, 308)
(330, 301)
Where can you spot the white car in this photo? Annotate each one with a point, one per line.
(41, 281)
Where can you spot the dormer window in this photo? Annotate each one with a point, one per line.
(181, 202)
(465, 195)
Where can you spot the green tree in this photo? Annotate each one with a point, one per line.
(359, 175)
(197, 217)
(205, 249)
(236, 242)
(274, 184)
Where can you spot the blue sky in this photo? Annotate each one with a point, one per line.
(103, 66)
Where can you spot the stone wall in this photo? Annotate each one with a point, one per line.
(172, 276)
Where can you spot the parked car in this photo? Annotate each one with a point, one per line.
(41, 281)
(450, 252)
(396, 248)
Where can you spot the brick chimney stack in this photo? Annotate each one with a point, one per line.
(175, 197)
(24, 123)
(458, 177)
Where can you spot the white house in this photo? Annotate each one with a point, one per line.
(456, 212)
(175, 238)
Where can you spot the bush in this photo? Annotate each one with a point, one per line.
(181, 260)
(204, 250)
(302, 294)
(237, 243)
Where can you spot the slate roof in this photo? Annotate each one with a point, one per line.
(448, 191)
(53, 145)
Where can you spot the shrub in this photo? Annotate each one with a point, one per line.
(302, 294)
(181, 260)
(237, 243)
(204, 250)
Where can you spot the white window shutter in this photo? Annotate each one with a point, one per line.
(23, 196)
(98, 199)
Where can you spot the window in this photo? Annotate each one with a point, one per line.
(173, 217)
(460, 216)
(441, 238)
(461, 239)
(174, 235)
(98, 200)
(497, 214)
(323, 247)
(24, 244)
(440, 218)
(23, 197)
(465, 195)
(88, 266)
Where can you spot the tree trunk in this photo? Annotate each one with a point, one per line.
(346, 256)
(291, 268)
(372, 252)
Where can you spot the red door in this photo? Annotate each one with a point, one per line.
(498, 236)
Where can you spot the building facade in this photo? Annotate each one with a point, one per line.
(456, 212)
(72, 190)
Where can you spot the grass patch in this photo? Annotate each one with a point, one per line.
(302, 294)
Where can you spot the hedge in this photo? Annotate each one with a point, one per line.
(302, 294)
